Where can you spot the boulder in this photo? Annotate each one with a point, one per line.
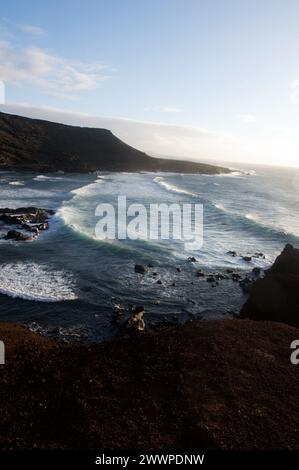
(276, 296)
(18, 236)
(200, 273)
(30, 228)
(232, 253)
(140, 268)
(136, 321)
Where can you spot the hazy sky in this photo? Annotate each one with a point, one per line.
(190, 78)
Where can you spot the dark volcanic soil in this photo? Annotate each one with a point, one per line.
(220, 384)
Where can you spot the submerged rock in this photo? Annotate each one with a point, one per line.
(256, 271)
(232, 253)
(140, 268)
(245, 284)
(200, 273)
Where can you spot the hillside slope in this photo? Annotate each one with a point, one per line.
(36, 145)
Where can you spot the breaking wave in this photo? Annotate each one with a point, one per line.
(37, 282)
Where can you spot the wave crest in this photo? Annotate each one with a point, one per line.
(172, 187)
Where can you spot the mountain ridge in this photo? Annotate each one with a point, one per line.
(28, 144)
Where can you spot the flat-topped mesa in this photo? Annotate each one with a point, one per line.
(27, 219)
(276, 296)
(43, 146)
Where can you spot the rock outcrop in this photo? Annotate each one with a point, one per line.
(276, 296)
(27, 219)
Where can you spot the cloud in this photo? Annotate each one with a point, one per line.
(273, 146)
(163, 109)
(170, 109)
(295, 91)
(247, 118)
(30, 29)
(50, 73)
(153, 137)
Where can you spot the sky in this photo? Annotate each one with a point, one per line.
(195, 79)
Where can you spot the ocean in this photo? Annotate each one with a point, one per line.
(67, 283)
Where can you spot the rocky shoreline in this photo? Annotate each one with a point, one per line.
(29, 222)
(226, 384)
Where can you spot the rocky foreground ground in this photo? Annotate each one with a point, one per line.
(225, 384)
(219, 384)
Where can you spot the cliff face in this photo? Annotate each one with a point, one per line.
(36, 145)
(276, 296)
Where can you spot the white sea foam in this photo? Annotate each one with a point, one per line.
(38, 282)
(89, 189)
(41, 178)
(16, 183)
(172, 187)
(220, 207)
(253, 217)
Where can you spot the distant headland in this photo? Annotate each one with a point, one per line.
(36, 145)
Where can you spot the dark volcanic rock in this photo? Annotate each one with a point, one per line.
(245, 284)
(19, 236)
(36, 145)
(276, 296)
(232, 253)
(139, 268)
(200, 273)
(209, 384)
(256, 271)
(136, 321)
(32, 219)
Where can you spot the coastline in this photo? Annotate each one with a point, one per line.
(204, 384)
(44, 146)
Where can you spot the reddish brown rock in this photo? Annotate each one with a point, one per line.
(218, 384)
